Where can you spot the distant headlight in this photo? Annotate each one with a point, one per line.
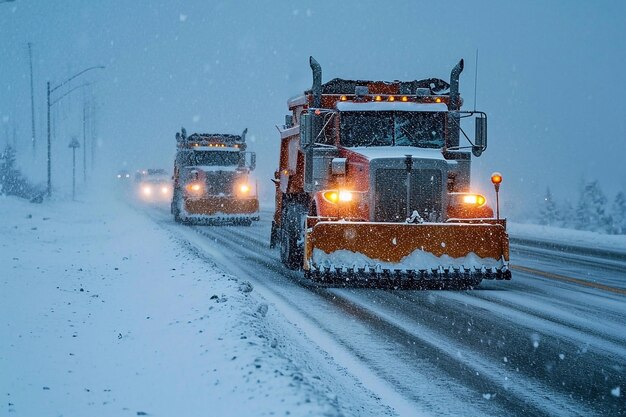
(146, 189)
(165, 190)
(119, 176)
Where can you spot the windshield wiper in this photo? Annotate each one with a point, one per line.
(411, 137)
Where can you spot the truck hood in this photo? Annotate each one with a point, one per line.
(388, 152)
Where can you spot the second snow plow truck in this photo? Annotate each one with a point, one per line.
(373, 184)
(212, 183)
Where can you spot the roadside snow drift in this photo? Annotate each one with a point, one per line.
(103, 313)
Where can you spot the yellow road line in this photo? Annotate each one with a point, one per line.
(569, 279)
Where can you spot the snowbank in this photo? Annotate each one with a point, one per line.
(103, 313)
(557, 235)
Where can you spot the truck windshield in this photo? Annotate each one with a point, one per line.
(393, 128)
(215, 158)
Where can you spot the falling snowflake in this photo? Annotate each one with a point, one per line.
(535, 338)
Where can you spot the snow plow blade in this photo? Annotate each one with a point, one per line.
(215, 210)
(434, 251)
(222, 205)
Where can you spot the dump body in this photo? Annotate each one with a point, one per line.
(372, 180)
(212, 181)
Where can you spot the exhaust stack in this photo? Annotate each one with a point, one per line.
(317, 82)
(455, 103)
(454, 119)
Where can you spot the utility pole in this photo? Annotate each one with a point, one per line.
(49, 189)
(84, 138)
(49, 104)
(14, 131)
(92, 128)
(32, 97)
(74, 144)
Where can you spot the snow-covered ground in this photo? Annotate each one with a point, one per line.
(557, 235)
(103, 313)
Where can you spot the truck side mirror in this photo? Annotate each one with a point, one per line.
(252, 161)
(310, 128)
(480, 137)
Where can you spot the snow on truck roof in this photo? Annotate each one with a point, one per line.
(214, 140)
(210, 136)
(391, 106)
(341, 86)
(215, 148)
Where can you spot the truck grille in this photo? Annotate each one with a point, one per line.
(390, 197)
(220, 182)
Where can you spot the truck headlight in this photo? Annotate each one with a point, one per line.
(194, 188)
(338, 196)
(244, 188)
(468, 199)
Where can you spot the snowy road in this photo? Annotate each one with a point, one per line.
(550, 342)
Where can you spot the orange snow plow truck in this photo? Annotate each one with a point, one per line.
(212, 183)
(373, 184)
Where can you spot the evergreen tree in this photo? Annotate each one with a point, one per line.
(567, 215)
(549, 213)
(618, 214)
(12, 182)
(9, 176)
(591, 211)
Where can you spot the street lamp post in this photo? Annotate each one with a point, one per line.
(49, 91)
(74, 144)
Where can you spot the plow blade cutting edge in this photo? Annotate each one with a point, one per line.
(433, 251)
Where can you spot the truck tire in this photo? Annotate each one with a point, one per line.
(291, 235)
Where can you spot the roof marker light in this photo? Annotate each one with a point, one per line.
(343, 98)
(405, 98)
(391, 98)
(378, 98)
(438, 100)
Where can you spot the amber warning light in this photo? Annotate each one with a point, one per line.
(496, 179)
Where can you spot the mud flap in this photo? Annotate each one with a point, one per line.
(431, 250)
